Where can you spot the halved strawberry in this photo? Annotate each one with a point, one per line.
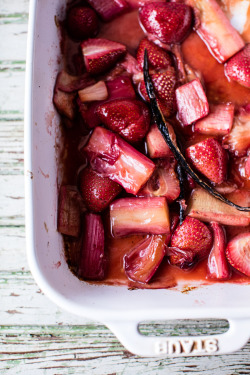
(82, 22)
(156, 145)
(162, 183)
(192, 235)
(164, 85)
(101, 54)
(96, 191)
(218, 122)
(215, 29)
(158, 58)
(192, 102)
(238, 140)
(141, 263)
(238, 67)
(109, 9)
(129, 118)
(217, 262)
(238, 253)
(209, 158)
(169, 22)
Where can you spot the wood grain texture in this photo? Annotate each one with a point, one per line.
(37, 337)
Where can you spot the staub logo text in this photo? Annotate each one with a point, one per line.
(186, 346)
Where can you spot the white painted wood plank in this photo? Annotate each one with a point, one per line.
(11, 200)
(8, 7)
(11, 91)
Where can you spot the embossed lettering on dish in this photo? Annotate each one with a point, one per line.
(186, 346)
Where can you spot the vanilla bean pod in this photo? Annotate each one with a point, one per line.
(161, 124)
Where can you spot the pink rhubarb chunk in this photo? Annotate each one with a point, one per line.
(141, 263)
(221, 38)
(217, 261)
(218, 122)
(205, 207)
(191, 102)
(109, 9)
(92, 264)
(139, 216)
(156, 145)
(112, 157)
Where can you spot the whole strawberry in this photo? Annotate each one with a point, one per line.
(192, 236)
(96, 191)
(238, 67)
(127, 117)
(158, 58)
(169, 22)
(82, 22)
(164, 85)
(209, 158)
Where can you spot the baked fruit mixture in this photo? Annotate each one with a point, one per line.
(154, 99)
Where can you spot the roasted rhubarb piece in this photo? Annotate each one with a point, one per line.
(203, 206)
(192, 102)
(214, 28)
(238, 253)
(139, 216)
(101, 55)
(97, 192)
(192, 235)
(121, 87)
(82, 22)
(209, 158)
(112, 157)
(65, 103)
(238, 67)
(98, 91)
(162, 183)
(67, 83)
(92, 263)
(129, 118)
(168, 22)
(141, 263)
(238, 140)
(158, 58)
(217, 261)
(218, 122)
(70, 206)
(247, 167)
(156, 145)
(164, 85)
(109, 9)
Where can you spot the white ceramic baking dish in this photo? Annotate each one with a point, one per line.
(117, 307)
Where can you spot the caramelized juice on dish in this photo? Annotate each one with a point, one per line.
(125, 29)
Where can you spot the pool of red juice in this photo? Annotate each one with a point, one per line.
(126, 30)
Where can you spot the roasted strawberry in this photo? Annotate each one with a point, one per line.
(169, 22)
(192, 235)
(109, 9)
(97, 192)
(82, 22)
(217, 262)
(238, 253)
(129, 118)
(101, 54)
(158, 58)
(238, 67)
(209, 158)
(192, 102)
(141, 263)
(164, 85)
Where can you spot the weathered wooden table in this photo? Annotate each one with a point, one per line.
(36, 337)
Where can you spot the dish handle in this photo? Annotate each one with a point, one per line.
(175, 346)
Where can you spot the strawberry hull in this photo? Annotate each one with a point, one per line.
(221, 38)
(141, 263)
(139, 216)
(112, 157)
